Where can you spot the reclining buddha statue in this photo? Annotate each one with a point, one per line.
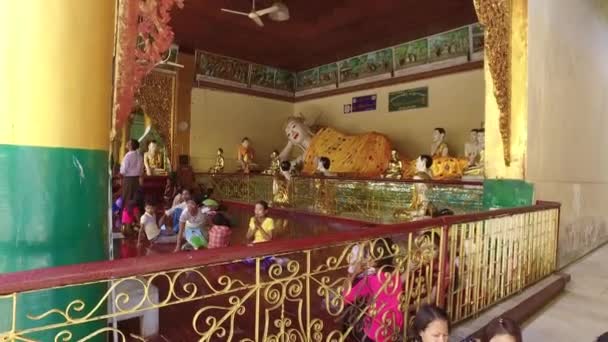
(362, 155)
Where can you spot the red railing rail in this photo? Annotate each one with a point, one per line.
(97, 271)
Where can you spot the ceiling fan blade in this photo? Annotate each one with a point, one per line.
(235, 12)
(268, 10)
(256, 18)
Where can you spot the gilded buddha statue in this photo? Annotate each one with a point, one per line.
(324, 191)
(275, 164)
(476, 165)
(154, 160)
(281, 184)
(219, 162)
(395, 167)
(245, 155)
(420, 205)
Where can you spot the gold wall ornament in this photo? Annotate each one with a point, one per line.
(156, 98)
(495, 16)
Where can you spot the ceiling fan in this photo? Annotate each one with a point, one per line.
(277, 12)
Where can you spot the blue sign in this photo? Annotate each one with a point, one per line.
(361, 104)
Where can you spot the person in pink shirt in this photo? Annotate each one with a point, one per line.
(382, 290)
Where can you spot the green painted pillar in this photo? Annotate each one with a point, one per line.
(55, 91)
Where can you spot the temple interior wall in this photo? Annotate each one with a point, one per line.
(568, 117)
(221, 119)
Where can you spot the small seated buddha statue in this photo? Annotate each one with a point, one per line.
(444, 166)
(219, 162)
(439, 148)
(420, 206)
(153, 160)
(281, 185)
(245, 156)
(324, 199)
(476, 166)
(395, 167)
(471, 147)
(275, 164)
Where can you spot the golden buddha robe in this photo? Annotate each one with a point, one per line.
(364, 155)
(478, 168)
(448, 167)
(440, 150)
(155, 162)
(274, 168)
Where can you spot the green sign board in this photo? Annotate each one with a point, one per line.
(408, 99)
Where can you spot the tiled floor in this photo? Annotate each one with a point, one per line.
(581, 312)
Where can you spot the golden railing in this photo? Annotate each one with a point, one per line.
(464, 263)
(369, 199)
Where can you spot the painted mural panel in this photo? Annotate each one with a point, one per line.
(449, 45)
(285, 80)
(373, 64)
(411, 54)
(216, 68)
(262, 76)
(308, 79)
(328, 75)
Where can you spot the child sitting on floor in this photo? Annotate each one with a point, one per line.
(219, 233)
(149, 227)
(130, 217)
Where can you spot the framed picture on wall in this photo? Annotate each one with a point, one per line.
(408, 99)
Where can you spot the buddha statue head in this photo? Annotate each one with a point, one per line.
(297, 131)
(152, 147)
(423, 163)
(245, 142)
(220, 151)
(394, 155)
(438, 134)
(481, 138)
(274, 155)
(473, 136)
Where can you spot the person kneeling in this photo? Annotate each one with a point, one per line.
(191, 224)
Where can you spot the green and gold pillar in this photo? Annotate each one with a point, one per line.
(55, 98)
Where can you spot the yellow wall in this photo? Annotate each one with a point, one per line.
(568, 116)
(222, 119)
(456, 103)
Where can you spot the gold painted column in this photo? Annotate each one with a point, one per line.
(56, 96)
(518, 83)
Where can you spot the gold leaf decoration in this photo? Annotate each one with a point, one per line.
(495, 16)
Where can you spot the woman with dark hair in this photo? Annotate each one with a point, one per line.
(383, 289)
(502, 330)
(431, 324)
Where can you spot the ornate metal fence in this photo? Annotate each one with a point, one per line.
(328, 288)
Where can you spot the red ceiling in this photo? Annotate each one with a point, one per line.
(319, 31)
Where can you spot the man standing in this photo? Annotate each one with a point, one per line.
(131, 170)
